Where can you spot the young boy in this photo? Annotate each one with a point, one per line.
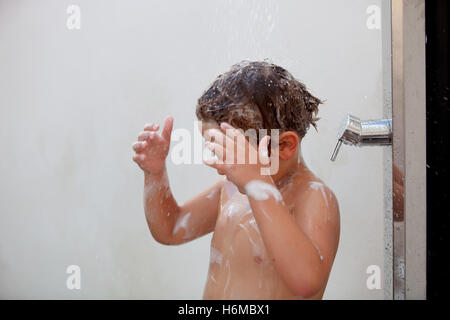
(275, 234)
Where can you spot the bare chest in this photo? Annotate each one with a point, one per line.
(236, 234)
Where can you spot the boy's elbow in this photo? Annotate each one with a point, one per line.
(159, 235)
(165, 240)
(307, 288)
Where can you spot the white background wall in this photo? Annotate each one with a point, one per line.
(72, 103)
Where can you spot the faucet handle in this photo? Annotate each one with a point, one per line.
(336, 150)
(350, 132)
(363, 133)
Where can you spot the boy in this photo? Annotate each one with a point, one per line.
(276, 234)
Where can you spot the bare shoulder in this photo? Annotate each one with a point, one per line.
(314, 198)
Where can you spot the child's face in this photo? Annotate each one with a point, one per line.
(210, 129)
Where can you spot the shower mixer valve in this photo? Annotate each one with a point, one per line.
(355, 132)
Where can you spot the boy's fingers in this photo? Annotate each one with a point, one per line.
(210, 163)
(216, 148)
(157, 140)
(138, 158)
(151, 127)
(230, 131)
(226, 126)
(263, 149)
(233, 137)
(222, 141)
(144, 135)
(219, 136)
(139, 146)
(149, 136)
(213, 164)
(167, 130)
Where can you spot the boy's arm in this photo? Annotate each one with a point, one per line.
(172, 224)
(168, 222)
(301, 246)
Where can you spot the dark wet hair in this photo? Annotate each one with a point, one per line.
(259, 95)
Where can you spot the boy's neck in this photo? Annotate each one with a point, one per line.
(296, 165)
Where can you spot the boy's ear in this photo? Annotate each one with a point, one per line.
(288, 144)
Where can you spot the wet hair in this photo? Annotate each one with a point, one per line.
(259, 95)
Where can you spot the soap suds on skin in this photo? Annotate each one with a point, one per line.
(154, 186)
(211, 194)
(215, 256)
(230, 211)
(240, 206)
(182, 224)
(259, 190)
(257, 250)
(318, 250)
(319, 186)
(227, 265)
(266, 215)
(150, 190)
(253, 224)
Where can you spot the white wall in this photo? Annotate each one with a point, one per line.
(72, 102)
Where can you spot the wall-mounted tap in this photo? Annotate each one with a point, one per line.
(364, 133)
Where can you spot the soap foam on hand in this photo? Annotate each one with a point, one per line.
(260, 190)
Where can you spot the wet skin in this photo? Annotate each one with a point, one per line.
(260, 249)
(240, 266)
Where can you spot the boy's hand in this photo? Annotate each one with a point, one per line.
(152, 149)
(238, 173)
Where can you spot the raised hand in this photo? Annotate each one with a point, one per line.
(237, 171)
(151, 149)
